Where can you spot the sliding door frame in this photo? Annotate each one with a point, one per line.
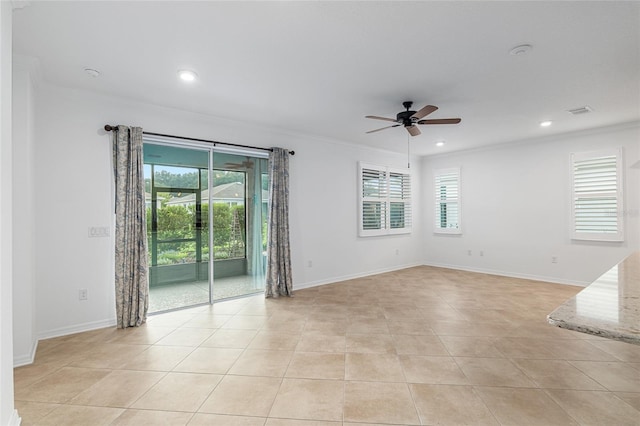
(212, 150)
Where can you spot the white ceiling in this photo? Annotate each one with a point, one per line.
(319, 67)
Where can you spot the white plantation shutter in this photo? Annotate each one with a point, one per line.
(385, 200)
(374, 195)
(447, 201)
(399, 200)
(597, 196)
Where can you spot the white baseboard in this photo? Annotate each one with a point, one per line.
(352, 276)
(509, 274)
(15, 419)
(77, 328)
(26, 359)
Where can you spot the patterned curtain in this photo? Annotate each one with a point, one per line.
(279, 281)
(132, 281)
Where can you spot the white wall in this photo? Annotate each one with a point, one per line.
(324, 216)
(72, 179)
(516, 209)
(8, 414)
(23, 115)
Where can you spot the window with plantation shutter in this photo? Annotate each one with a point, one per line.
(597, 196)
(385, 200)
(447, 201)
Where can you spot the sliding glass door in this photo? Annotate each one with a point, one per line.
(239, 199)
(206, 224)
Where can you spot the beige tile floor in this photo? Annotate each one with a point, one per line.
(418, 346)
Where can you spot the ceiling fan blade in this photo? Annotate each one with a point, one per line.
(413, 130)
(441, 121)
(424, 112)
(377, 130)
(375, 117)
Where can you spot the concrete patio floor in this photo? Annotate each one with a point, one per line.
(180, 295)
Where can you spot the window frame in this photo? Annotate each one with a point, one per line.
(385, 199)
(576, 157)
(438, 201)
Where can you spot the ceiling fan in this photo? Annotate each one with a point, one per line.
(409, 119)
(245, 165)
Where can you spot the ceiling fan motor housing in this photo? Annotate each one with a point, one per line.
(404, 117)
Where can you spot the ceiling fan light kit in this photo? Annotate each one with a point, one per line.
(409, 119)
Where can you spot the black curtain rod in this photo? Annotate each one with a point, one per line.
(110, 128)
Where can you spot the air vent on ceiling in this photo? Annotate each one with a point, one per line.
(582, 110)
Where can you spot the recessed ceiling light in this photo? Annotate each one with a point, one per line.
(440, 143)
(187, 75)
(522, 49)
(546, 123)
(92, 72)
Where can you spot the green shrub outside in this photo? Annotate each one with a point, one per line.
(179, 222)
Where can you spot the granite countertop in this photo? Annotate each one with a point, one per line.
(609, 307)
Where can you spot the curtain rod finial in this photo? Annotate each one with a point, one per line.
(109, 127)
(292, 152)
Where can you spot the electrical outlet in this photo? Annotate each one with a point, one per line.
(554, 259)
(310, 264)
(82, 294)
(397, 252)
(469, 252)
(98, 231)
(481, 253)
